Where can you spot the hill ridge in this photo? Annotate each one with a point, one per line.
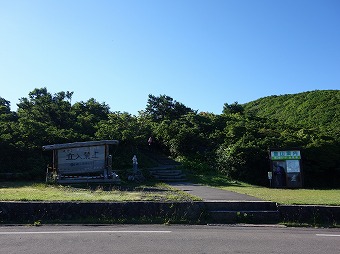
(311, 109)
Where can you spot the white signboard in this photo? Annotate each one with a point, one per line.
(293, 166)
(270, 175)
(81, 159)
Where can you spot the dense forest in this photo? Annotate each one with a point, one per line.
(234, 143)
(319, 109)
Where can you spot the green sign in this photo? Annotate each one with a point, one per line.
(285, 155)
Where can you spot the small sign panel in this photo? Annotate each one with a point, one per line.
(270, 175)
(285, 155)
(81, 159)
(293, 166)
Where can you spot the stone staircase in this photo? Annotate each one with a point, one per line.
(167, 169)
(242, 212)
(167, 174)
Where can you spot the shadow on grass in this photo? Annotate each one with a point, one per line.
(149, 186)
(217, 180)
(213, 179)
(18, 184)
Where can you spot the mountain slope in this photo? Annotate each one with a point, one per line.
(314, 109)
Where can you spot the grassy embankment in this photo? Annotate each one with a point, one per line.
(30, 191)
(282, 196)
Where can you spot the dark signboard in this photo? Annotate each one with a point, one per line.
(286, 168)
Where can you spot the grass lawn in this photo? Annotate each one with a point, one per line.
(290, 196)
(282, 196)
(30, 191)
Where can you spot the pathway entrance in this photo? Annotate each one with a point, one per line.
(167, 170)
(210, 193)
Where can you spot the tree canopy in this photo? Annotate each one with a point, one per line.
(320, 109)
(234, 143)
(164, 107)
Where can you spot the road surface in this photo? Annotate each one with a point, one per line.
(182, 239)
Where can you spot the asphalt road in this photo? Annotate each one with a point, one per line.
(208, 193)
(167, 239)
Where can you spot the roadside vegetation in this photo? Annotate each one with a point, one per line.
(233, 144)
(282, 196)
(32, 191)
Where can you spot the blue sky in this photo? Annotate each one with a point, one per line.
(202, 53)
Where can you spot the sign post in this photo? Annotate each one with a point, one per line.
(286, 168)
(81, 162)
(270, 177)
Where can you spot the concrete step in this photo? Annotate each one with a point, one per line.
(170, 178)
(167, 174)
(165, 179)
(242, 212)
(161, 159)
(182, 176)
(167, 161)
(257, 217)
(241, 206)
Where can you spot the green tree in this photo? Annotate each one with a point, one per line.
(164, 107)
(87, 115)
(233, 108)
(8, 120)
(45, 118)
(123, 127)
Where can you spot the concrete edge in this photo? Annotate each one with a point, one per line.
(195, 212)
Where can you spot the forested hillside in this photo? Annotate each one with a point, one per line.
(315, 109)
(234, 143)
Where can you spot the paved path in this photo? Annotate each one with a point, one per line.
(204, 192)
(210, 193)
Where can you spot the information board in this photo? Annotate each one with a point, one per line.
(286, 168)
(285, 155)
(293, 166)
(81, 159)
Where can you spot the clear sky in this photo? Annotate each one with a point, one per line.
(202, 53)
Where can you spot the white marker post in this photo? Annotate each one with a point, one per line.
(270, 177)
